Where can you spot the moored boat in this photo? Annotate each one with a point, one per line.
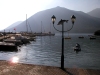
(92, 37)
(81, 37)
(8, 46)
(67, 38)
(77, 47)
(16, 42)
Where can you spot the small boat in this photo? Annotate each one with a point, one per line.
(92, 37)
(49, 34)
(8, 46)
(16, 42)
(81, 37)
(67, 38)
(77, 47)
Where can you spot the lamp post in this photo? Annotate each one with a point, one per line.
(53, 18)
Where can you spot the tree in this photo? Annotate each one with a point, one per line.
(97, 32)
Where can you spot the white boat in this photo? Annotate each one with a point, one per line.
(77, 47)
(92, 37)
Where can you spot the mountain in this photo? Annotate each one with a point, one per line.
(95, 12)
(84, 23)
(13, 25)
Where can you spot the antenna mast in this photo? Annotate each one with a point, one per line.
(26, 24)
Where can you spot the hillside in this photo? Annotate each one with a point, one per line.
(95, 13)
(84, 22)
(13, 25)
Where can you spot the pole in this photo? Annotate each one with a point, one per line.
(62, 54)
(26, 24)
(41, 26)
(4, 33)
(15, 31)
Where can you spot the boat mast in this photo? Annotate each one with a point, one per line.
(41, 26)
(26, 24)
(68, 33)
(29, 26)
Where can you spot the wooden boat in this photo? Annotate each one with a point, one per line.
(67, 38)
(49, 34)
(16, 42)
(23, 39)
(81, 37)
(8, 46)
(18, 39)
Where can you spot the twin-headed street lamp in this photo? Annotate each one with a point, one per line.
(53, 18)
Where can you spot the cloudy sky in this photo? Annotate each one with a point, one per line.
(15, 10)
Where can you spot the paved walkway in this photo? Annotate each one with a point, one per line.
(7, 68)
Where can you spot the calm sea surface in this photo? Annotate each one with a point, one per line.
(46, 50)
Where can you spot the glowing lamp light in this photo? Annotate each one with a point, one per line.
(15, 60)
(73, 18)
(53, 18)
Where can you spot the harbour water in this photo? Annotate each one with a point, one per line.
(46, 50)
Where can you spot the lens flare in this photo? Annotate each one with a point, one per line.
(15, 60)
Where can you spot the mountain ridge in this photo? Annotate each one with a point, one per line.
(95, 13)
(14, 24)
(84, 22)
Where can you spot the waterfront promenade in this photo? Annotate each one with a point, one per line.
(8, 68)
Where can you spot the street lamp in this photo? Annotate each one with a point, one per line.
(53, 18)
(73, 18)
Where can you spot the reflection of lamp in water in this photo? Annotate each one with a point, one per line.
(15, 60)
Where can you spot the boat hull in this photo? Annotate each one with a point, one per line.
(77, 49)
(7, 46)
